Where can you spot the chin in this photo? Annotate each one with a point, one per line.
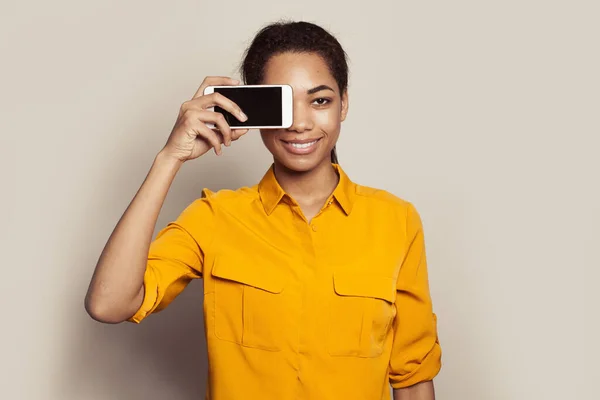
(301, 163)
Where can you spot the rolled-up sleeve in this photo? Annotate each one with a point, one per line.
(416, 351)
(176, 257)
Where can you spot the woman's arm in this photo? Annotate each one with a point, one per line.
(420, 391)
(416, 352)
(116, 290)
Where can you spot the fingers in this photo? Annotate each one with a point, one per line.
(193, 123)
(219, 120)
(217, 99)
(205, 133)
(215, 81)
(195, 114)
(219, 138)
(195, 120)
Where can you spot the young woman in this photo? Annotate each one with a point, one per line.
(315, 287)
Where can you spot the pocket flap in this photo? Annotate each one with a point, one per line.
(264, 277)
(365, 285)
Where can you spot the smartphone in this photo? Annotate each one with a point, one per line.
(267, 106)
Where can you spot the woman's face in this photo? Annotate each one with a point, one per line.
(319, 109)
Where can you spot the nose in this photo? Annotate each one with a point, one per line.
(302, 118)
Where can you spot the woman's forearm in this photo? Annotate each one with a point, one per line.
(116, 289)
(420, 391)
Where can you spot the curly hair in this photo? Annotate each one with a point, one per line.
(297, 37)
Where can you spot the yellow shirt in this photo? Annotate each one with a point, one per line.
(338, 308)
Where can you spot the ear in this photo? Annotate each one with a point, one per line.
(344, 111)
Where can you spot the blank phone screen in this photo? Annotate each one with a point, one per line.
(262, 105)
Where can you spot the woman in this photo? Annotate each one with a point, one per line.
(314, 287)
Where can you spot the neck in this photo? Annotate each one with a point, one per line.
(308, 187)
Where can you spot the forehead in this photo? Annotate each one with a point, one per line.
(300, 70)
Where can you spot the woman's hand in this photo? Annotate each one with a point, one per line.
(191, 137)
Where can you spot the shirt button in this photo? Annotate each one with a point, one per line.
(314, 227)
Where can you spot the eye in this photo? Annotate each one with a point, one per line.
(321, 101)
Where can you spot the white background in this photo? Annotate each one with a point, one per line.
(484, 114)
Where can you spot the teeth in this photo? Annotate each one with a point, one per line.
(303, 145)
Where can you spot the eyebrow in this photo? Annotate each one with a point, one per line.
(318, 89)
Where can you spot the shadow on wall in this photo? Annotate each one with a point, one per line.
(165, 355)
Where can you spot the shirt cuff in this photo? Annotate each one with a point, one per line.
(428, 369)
(150, 296)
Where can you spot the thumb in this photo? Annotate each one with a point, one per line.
(238, 133)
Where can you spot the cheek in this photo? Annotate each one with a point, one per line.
(329, 121)
(268, 138)
(264, 137)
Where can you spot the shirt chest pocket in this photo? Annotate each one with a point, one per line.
(248, 304)
(362, 311)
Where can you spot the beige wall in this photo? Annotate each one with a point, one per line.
(492, 132)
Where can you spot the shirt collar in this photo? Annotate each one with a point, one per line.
(271, 193)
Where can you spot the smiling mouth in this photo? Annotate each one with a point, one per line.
(301, 146)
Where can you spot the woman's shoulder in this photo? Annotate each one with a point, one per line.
(228, 200)
(385, 199)
(381, 195)
(245, 194)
